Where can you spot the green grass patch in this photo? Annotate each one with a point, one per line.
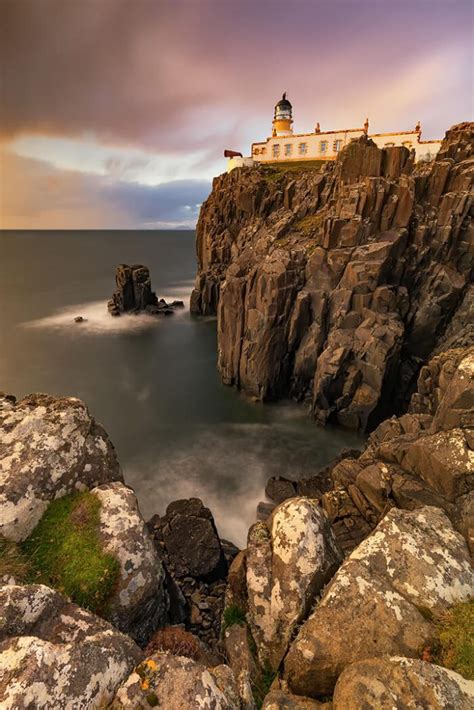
(297, 165)
(64, 552)
(310, 224)
(455, 648)
(13, 562)
(231, 616)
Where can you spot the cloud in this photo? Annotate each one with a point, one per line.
(112, 93)
(174, 75)
(39, 196)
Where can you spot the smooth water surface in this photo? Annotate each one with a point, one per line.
(151, 382)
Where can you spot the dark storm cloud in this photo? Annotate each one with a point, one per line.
(178, 74)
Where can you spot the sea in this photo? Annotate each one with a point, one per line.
(152, 382)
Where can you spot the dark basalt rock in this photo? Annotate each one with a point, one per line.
(196, 562)
(134, 293)
(333, 286)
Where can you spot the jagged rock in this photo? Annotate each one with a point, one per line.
(168, 681)
(375, 605)
(49, 447)
(289, 559)
(331, 286)
(133, 289)
(134, 293)
(139, 603)
(385, 683)
(53, 654)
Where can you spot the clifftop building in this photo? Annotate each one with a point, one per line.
(285, 146)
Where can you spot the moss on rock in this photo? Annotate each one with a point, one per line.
(456, 640)
(64, 552)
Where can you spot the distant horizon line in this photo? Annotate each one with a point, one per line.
(99, 229)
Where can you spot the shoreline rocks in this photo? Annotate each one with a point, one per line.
(134, 293)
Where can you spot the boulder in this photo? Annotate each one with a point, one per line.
(49, 447)
(382, 599)
(53, 654)
(191, 540)
(167, 681)
(289, 560)
(139, 602)
(387, 683)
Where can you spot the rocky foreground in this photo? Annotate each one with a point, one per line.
(355, 593)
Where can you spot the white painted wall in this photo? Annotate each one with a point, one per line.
(238, 162)
(315, 148)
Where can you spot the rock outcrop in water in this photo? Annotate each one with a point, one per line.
(134, 293)
(333, 286)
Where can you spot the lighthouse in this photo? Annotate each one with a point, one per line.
(283, 118)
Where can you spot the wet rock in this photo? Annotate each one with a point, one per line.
(49, 447)
(414, 561)
(133, 289)
(385, 683)
(139, 603)
(279, 489)
(134, 293)
(191, 540)
(54, 654)
(289, 559)
(168, 681)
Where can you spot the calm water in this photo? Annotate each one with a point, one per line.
(152, 383)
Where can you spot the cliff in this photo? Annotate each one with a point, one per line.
(335, 286)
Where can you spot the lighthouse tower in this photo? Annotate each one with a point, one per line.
(283, 118)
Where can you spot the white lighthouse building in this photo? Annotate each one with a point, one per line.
(285, 146)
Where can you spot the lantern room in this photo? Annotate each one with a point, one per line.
(283, 118)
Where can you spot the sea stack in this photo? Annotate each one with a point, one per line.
(134, 293)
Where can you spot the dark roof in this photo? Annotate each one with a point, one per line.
(284, 103)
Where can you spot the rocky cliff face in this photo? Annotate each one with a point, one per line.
(334, 286)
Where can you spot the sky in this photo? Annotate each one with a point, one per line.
(115, 113)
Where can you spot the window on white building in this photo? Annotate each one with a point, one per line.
(389, 145)
(337, 146)
(323, 146)
(288, 149)
(276, 150)
(303, 148)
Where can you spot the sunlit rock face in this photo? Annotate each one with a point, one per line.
(289, 559)
(168, 681)
(53, 654)
(139, 601)
(385, 683)
(379, 602)
(49, 447)
(331, 286)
